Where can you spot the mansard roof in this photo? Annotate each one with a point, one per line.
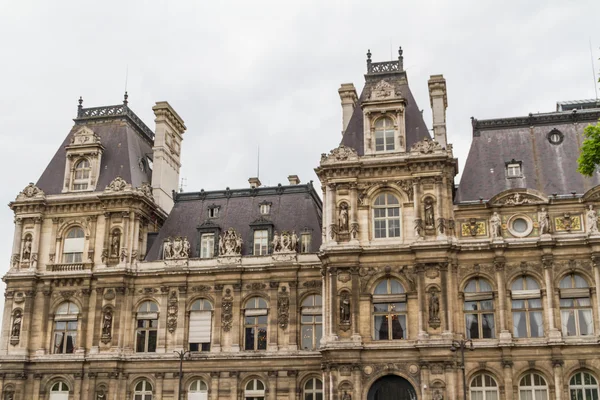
(550, 168)
(293, 208)
(394, 73)
(126, 140)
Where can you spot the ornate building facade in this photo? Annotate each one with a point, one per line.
(121, 288)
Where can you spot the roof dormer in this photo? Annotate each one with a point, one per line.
(84, 156)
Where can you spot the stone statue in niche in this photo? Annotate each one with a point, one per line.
(429, 215)
(496, 226)
(345, 308)
(230, 243)
(27, 248)
(437, 395)
(544, 221)
(107, 318)
(101, 395)
(115, 243)
(346, 396)
(592, 220)
(343, 217)
(15, 331)
(434, 309)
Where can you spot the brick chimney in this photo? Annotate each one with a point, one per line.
(349, 98)
(439, 103)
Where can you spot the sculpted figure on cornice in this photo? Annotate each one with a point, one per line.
(517, 199)
(174, 248)
(117, 185)
(544, 221)
(146, 190)
(341, 153)
(285, 243)
(426, 146)
(30, 191)
(592, 220)
(496, 226)
(230, 243)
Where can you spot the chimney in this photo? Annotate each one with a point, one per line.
(349, 98)
(293, 180)
(166, 154)
(439, 103)
(254, 182)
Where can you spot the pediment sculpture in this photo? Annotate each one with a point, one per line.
(426, 146)
(146, 190)
(176, 248)
(286, 242)
(30, 191)
(341, 153)
(117, 185)
(230, 243)
(383, 90)
(85, 136)
(517, 199)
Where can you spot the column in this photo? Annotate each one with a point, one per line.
(354, 225)
(77, 389)
(44, 345)
(425, 393)
(120, 320)
(233, 384)
(419, 233)
(293, 327)
(547, 263)
(214, 385)
(163, 332)
(135, 252)
(444, 297)
(326, 307)
(54, 249)
(439, 184)
(144, 229)
(85, 315)
(272, 386)
(357, 374)
(35, 247)
(292, 374)
(92, 242)
(333, 303)
(92, 385)
(9, 296)
(37, 378)
(216, 334)
(332, 225)
(159, 384)
(449, 376)
(16, 252)
(25, 342)
(106, 244)
(125, 243)
(596, 267)
(355, 306)
(499, 266)
(272, 339)
(420, 269)
(234, 333)
(558, 375)
(97, 304)
(508, 384)
(325, 192)
(131, 239)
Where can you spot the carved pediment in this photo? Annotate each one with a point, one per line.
(31, 191)
(341, 153)
(383, 91)
(117, 185)
(85, 137)
(517, 198)
(426, 146)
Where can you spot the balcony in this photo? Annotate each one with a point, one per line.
(72, 267)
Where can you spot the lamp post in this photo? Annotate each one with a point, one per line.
(462, 345)
(181, 354)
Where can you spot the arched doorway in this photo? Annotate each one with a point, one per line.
(392, 387)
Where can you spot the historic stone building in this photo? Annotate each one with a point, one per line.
(121, 288)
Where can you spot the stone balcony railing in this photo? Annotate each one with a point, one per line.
(71, 267)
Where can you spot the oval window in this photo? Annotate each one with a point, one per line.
(520, 225)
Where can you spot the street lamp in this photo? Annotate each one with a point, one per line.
(462, 345)
(181, 354)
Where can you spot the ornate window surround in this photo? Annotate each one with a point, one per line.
(85, 145)
(207, 228)
(259, 225)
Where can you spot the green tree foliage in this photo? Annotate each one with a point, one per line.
(589, 158)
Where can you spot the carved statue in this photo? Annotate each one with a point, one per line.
(294, 242)
(496, 226)
(544, 221)
(101, 395)
(115, 243)
(429, 216)
(107, 323)
(345, 308)
(185, 251)
(285, 242)
(276, 242)
(346, 396)
(230, 243)
(343, 218)
(27, 248)
(437, 395)
(434, 306)
(176, 248)
(167, 249)
(16, 325)
(441, 225)
(592, 220)
(354, 230)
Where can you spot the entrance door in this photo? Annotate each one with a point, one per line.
(392, 387)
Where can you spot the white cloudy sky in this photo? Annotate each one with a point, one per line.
(250, 73)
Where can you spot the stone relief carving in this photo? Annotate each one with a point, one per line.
(567, 223)
(312, 284)
(419, 230)
(441, 225)
(285, 242)
(117, 185)
(30, 191)
(496, 226)
(592, 220)
(107, 320)
(426, 146)
(517, 199)
(230, 243)
(407, 187)
(343, 217)
(172, 308)
(434, 309)
(175, 248)
(383, 90)
(341, 153)
(15, 331)
(85, 136)
(146, 190)
(437, 395)
(544, 221)
(346, 396)
(227, 310)
(283, 308)
(354, 230)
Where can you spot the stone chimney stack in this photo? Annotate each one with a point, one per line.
(349, 99)
(166, 153)
(293, 180)
(439, 103)
(254, 182)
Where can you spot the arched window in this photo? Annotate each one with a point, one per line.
(200, 328)
(389, 311)
(533, 387)
(526, 308)
(386, 216)
(198, 390)
(143, 391)
(81, 175)
(73, 246)
(311, 322)
(484, 387)
(583, 386)
(255, 324)
(255, 390)
(65, 328)
(313, 389)
(384, 134)
(575, 306)
(479, 309)
(59, 391)
(147, 327)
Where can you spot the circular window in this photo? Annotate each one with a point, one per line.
(520, 225)
(555, 136)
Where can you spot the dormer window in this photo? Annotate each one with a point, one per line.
(81, 175)
(513, 169)
(265, 208)
(213, 211)
(84, 157)
(384, 134)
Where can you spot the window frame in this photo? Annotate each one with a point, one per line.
(583, 387)
(305, 242)
(533, 389)
(75, 181)
(314, 392)
(254, 393)
(73, 257)
(314, 312)
(387, 218)
(479, 297)
(67, 319)
(513, 169)
(207, 246)
(202, 308)
(144, 392)
(526, 295)
(254, 315)
(484, 388)
(148, 327)
(391, 298)
(263, 249)
(383, 133)
(575, 294)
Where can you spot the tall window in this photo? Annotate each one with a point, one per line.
(147, 328)
(305, 243)
(526, 308)
(73, 246)
(65, 328)
(484, 387)
(386, 216)
(575, 306)
(198, 390)
(142, 391)
(311, 322)
(59, 391)
(583, 386)
(255, 390)
(384, 134)
(207, 245)
(200, 325)
(479, 309)
(255, 324)
(81, 175)
(389, 310)
(261, 242)
(533, 387)
(313, 389)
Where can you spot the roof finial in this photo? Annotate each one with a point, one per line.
(400, 58)
(125, 99)
(369, 55)
(80, 106)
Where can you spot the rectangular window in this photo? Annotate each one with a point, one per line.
(305, 243)
(261, 242)
(200, 330)
(513, 170)
(207, 245)
(265, 209)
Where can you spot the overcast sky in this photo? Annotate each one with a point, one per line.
(250, 73)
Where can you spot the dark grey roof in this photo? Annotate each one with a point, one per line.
(549, 168)
(293, 208)
(125, 144)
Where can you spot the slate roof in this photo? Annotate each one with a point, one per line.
(416, 129)
(126, 141)
(293, 208)
(549, 168)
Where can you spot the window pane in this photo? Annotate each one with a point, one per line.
(398, 326)
(140, 341)
(381, 327)
(249, 345)
(472, 326)
(262, 338)
(487, 325)
(307, 337)
(536, 325)
(152, 336)
(519, 324)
